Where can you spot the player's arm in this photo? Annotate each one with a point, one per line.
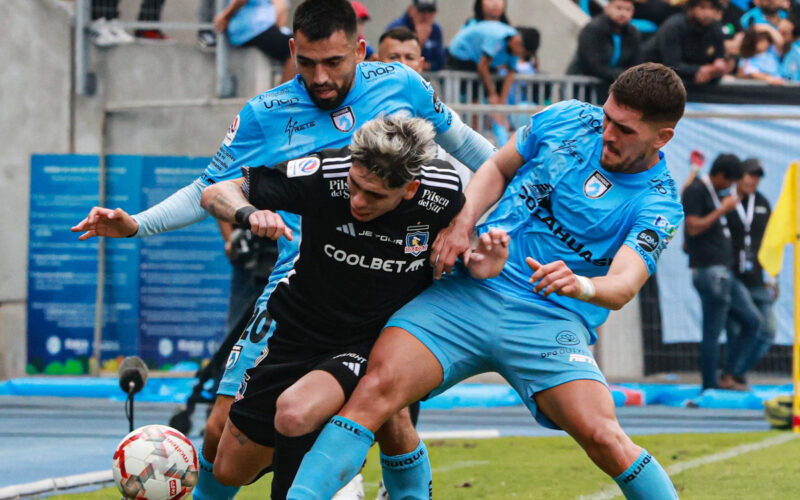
(625, 277)
(453, 135)
(227, 202)
(178, 210)
(483, 190)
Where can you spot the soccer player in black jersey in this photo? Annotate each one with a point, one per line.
(369, 212)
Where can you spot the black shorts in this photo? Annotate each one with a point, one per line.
(273, 42)
(253, 412)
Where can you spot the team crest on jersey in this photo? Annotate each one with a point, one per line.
(233, 357)
(230, 135)
(596, 185)
(302, 166)
(343, 119)
(416, 240)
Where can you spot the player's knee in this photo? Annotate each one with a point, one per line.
(292, 418)
(226, 472)
(605, 437)
(376, 388)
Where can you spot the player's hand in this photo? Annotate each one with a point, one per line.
(268, 224)
(554, 277)
(452, 242)
(728, 203)
(489, 257)
(106, 222)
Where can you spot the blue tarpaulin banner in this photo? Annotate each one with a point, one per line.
(165, 295)
(776, 142)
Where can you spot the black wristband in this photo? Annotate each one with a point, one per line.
(243, 216)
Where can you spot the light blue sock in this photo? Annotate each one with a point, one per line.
(334, 460)
(207, 487)
(408, 477)
(645, 479)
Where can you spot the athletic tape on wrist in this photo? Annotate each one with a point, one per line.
(243, 216)
(587, 288)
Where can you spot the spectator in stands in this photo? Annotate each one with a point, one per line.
(105, 29)
(609, 44)
(420, 18)
(692, 43)
(707, 203)
(766, 12)
(489, 46)
(655, 11)
(362, 14)
(790, 66)
(731, 19)
(760, 58)
(260, 24)
(489, 10)
(747, 224)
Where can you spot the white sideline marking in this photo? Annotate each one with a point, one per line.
(464, 434)
(676, 468)
(56, 483)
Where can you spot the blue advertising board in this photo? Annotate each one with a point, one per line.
(165, 297)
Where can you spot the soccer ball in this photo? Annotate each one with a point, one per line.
(155, 462)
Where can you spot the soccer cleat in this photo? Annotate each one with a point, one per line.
(382, 493)
(206, 40)
(152, 36)
(100, 33)
(354, 490)
(119, 35)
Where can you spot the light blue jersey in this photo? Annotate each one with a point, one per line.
(756, 16)
(254, 18)
(790, 66)
(488, 38)
(562, 205)
(284, 123)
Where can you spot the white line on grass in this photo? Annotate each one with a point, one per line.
(462, 434)
(676, 468)
(55, 484)
(460, 465)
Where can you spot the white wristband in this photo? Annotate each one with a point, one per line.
(587, 288)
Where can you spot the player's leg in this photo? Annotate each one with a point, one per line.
(303, 409)
(239, 459)
(401, 371)
(426, 347)
(242, 356)
(585, 409)
(405, 474)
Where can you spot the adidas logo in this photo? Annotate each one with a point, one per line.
(353, 367)
(347, 229)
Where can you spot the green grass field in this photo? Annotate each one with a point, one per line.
(556, 468)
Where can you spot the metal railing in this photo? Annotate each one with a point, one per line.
(86, 81)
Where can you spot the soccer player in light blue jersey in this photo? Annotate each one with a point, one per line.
(589, 204)
(334, 93)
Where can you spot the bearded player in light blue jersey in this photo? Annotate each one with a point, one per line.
(589, 204)
(334, 93)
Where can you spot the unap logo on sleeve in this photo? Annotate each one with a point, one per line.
(416, 240)
(231, 133)
(302, 166)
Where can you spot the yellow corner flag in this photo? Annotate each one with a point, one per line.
(782, 226)
(781, 231)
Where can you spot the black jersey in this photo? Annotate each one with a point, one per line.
(350, 276)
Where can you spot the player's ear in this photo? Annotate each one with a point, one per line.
(663, 136)
(411, 189)
(361, 50)
(292, 48)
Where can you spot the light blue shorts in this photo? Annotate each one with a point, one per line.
(249, 346)
(473, 329)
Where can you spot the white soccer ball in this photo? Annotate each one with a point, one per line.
(155, 462)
